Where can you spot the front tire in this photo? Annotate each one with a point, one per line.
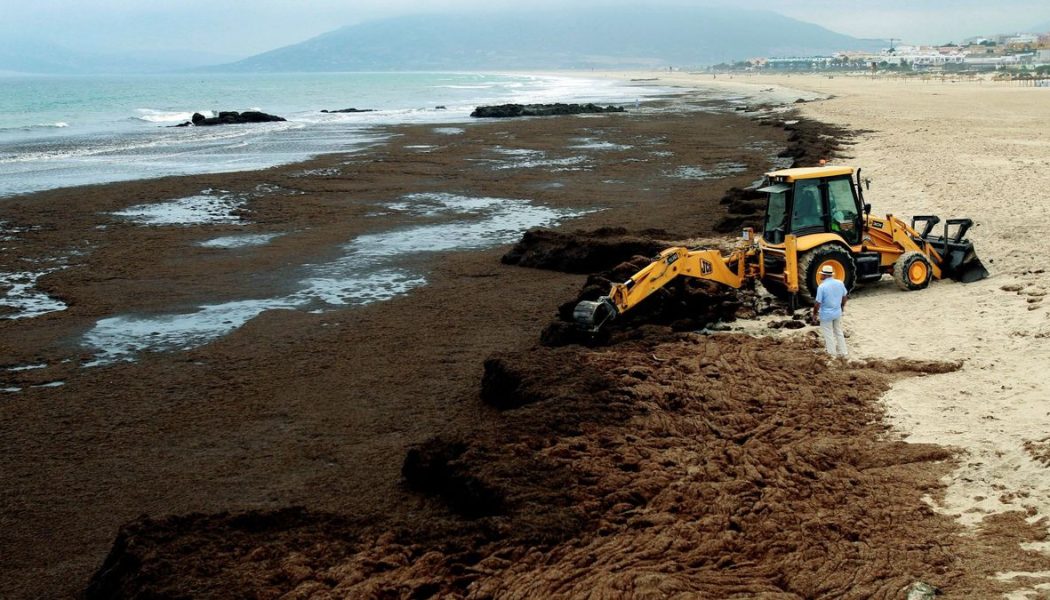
(912, 271)
(840, 260)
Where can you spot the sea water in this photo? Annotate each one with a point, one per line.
(65, 131)
(370, 269)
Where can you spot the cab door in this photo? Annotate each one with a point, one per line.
(844, 215)
(807, 208)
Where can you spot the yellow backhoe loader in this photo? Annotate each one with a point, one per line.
(815, 216)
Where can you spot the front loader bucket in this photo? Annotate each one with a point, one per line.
(963, 265)
(958, 259)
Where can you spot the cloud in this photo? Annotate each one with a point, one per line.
(245, 27)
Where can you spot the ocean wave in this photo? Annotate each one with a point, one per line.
(55, 125)
(150, 115)
(133, 148)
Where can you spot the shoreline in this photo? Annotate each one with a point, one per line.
(115, 139)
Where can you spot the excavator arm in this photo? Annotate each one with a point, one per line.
(711, 265)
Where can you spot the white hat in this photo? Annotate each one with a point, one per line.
(827, 270)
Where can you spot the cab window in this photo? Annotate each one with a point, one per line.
(807, 210)
(844, 215)
(776, 217)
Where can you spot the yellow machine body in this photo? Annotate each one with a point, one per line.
(858, 248)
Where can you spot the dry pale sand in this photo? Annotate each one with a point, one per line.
(978, 149)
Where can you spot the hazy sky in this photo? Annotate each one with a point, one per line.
(244, 27)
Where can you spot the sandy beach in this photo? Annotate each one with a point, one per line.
(428, 445)
(975, 149)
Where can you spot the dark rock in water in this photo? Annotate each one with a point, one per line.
(440, 107)
(233, 118)
(349, 110)
(541, 110)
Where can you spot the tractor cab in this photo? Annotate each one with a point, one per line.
(815, 200)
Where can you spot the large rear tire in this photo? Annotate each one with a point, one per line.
(912, 271)
(809, 265)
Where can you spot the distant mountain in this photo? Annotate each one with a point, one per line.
(34, 56)
(562, 38)
(30, 55)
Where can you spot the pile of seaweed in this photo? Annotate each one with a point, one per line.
(664, 462)
(714, 466)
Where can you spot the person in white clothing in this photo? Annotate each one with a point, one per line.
(829, 306)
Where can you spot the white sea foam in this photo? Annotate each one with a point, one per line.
(719, 170)
(132, 150)
(571, 163)
(120, 338)
(162, 116)
(27, 367)
(37, 126)
(519, 152)
(240, 241)
(25, 298)
(367, 272)
(593, 144)
(204, 209)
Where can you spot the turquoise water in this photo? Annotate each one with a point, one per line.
(64, 131)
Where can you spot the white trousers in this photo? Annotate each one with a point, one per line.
(834, 339)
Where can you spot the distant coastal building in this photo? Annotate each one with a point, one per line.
(997, 62)
(1016, 52)
(799, 63)
(1022, 39)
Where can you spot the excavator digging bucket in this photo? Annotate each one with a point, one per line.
(591, 315)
